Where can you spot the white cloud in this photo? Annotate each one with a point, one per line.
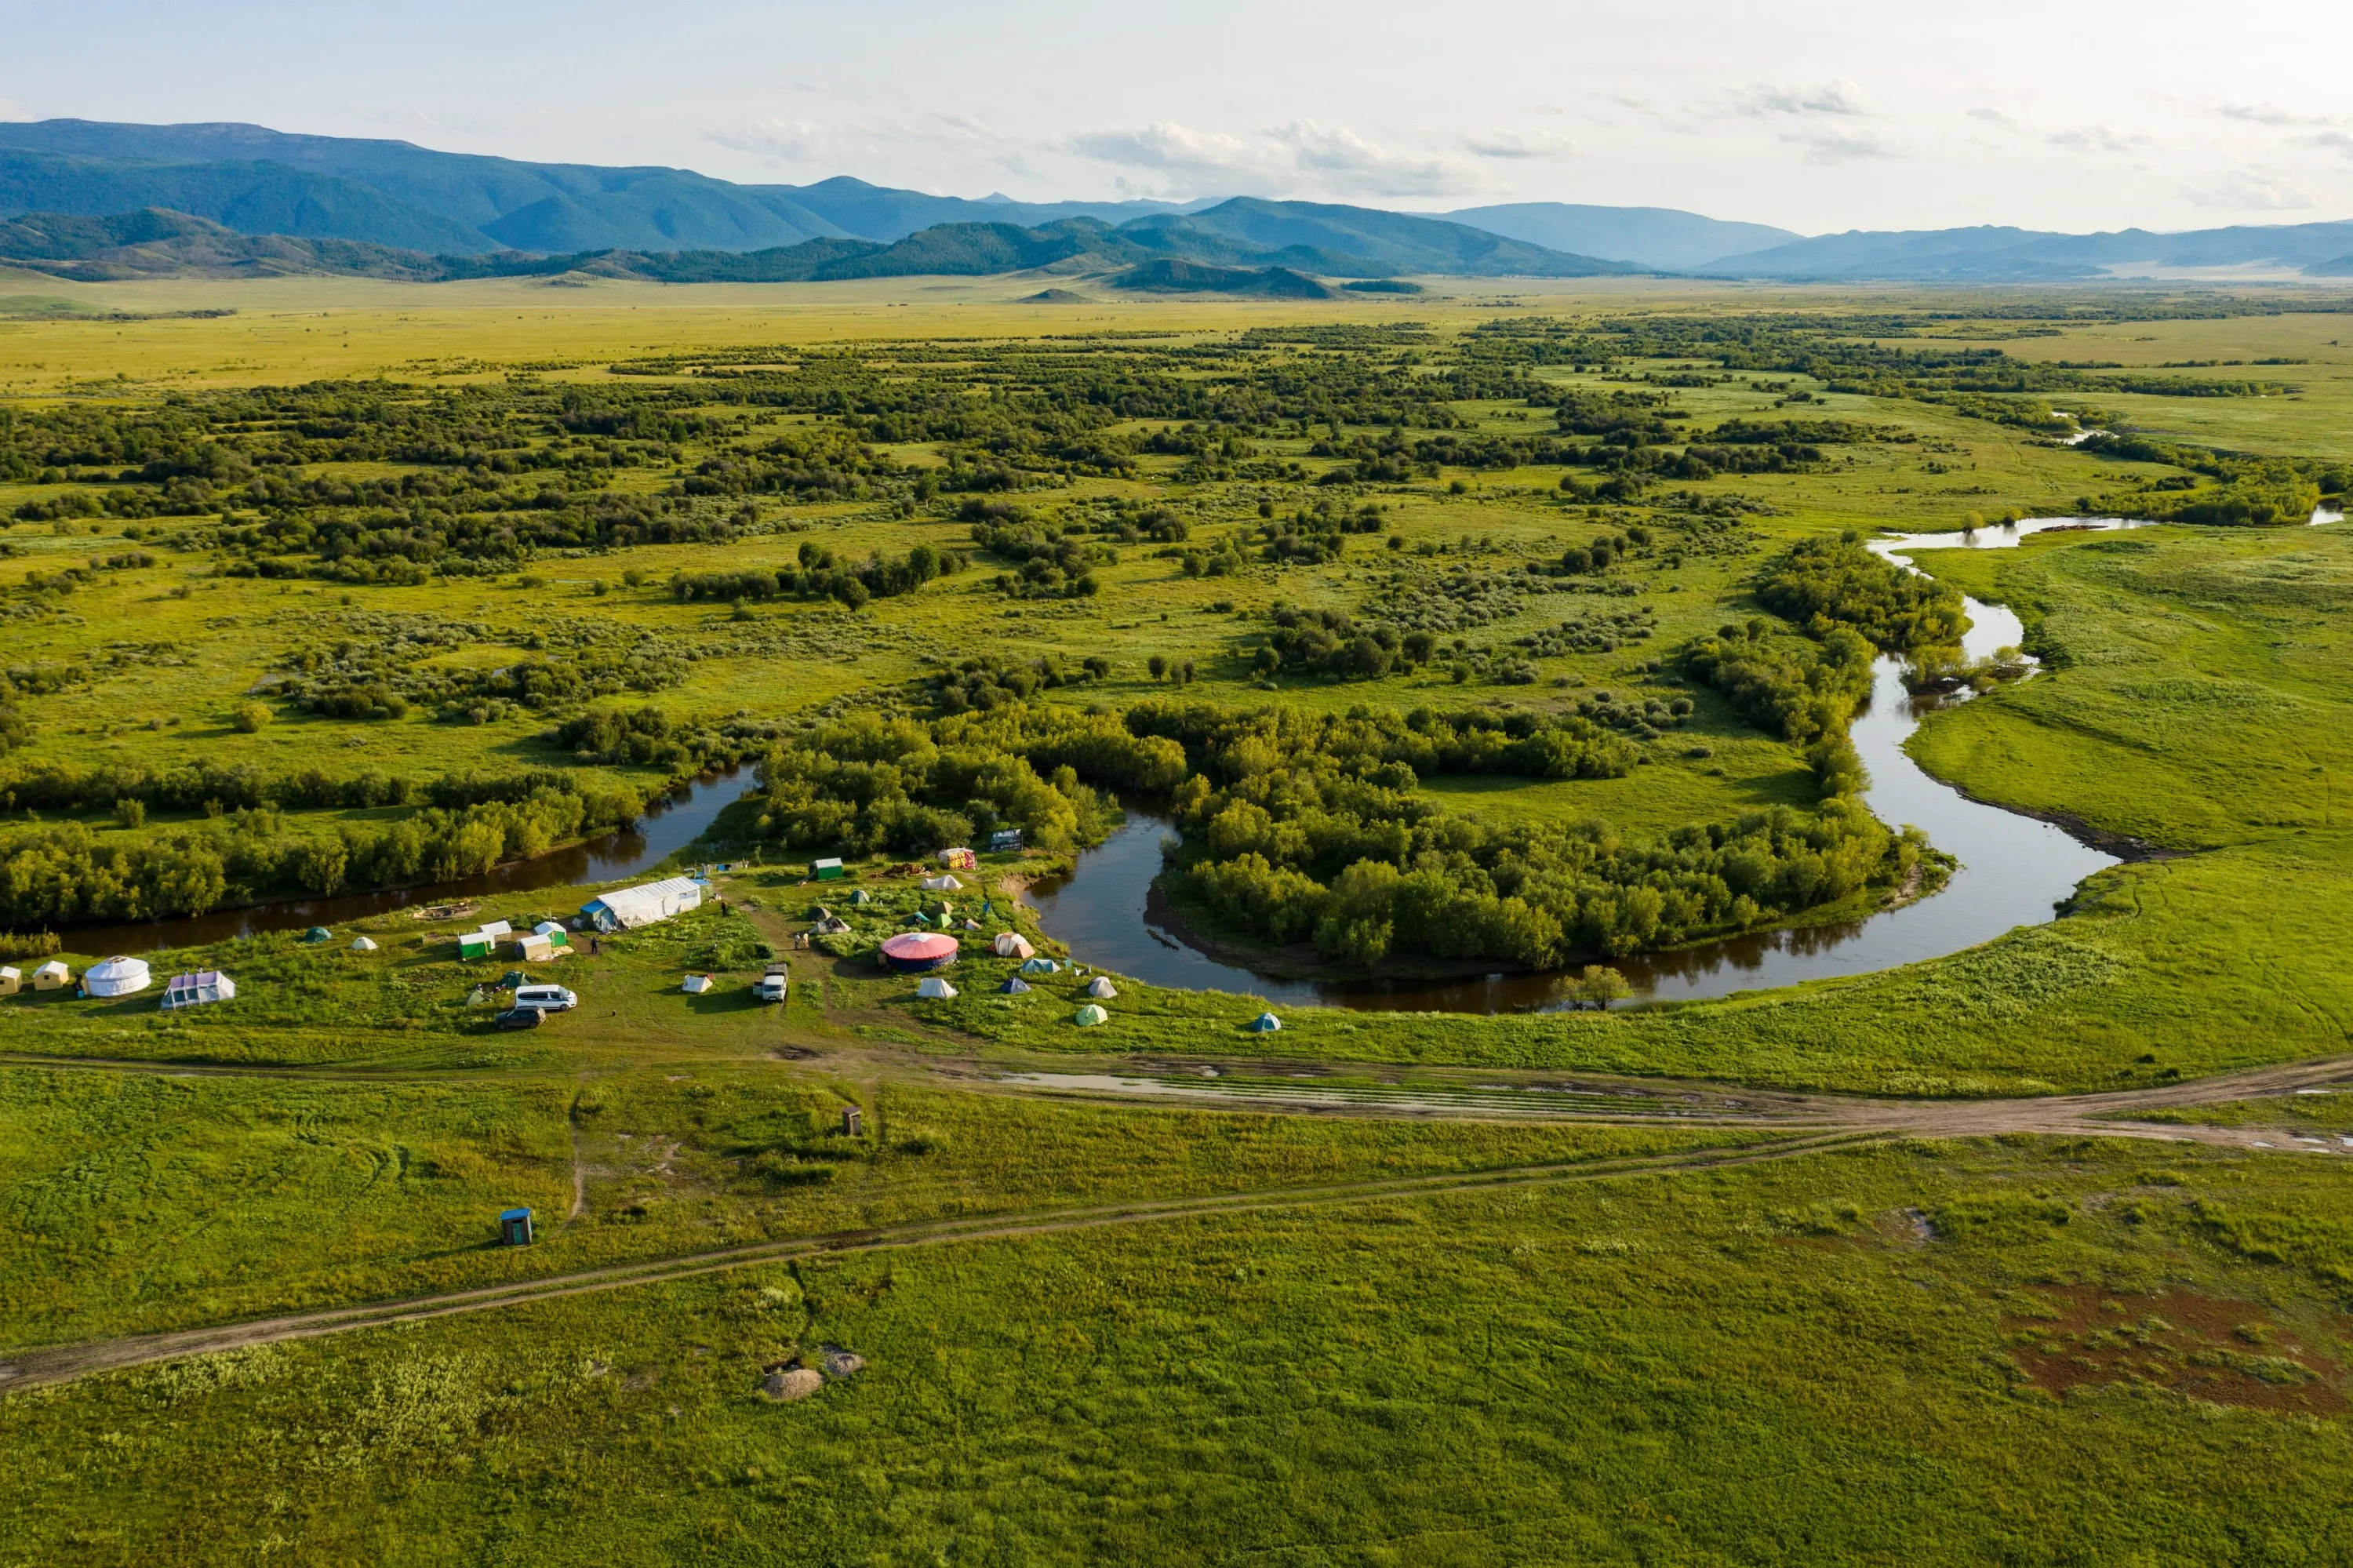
(2336, 140)
(14, 109)
(2100, 139)
(783, 141)
(1519, 144)
(1838, 146)
(2270, 114)
(2250, 190)
(1836, 97)
(1286, 159)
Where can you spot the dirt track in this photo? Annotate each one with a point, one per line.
(1786, 1123)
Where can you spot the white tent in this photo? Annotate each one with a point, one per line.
(496, 929)
(116, 977)
(941, 884)
(1013, 945)
(630, 907)
(1101, 988)
(935, 988)
(697, 984)
(52, 976)
(361, 944)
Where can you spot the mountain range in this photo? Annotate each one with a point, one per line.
(180, 196)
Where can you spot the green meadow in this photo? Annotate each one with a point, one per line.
(366, 586)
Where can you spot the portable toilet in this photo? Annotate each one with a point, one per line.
(515, 1227)
(827, 870)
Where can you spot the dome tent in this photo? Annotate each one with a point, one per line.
(1014, 986)
(362, 945)
(318, 934)
(914, 952)
(1041, 966)
(1013, 945)
(1101, 989)
(941, 884)
(936, 989)
(1265, 1024)
(1090, 1015)
(116, 977)
(860, 896)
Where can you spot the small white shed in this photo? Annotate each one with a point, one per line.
(52, 976)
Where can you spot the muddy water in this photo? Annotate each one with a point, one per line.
(672, 823)
(2015, 871)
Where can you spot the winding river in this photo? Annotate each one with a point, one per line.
(2015, 871)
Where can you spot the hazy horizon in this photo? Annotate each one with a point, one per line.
(1819, 118)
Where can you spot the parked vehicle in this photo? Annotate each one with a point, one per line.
(545, 997)
(774, 985)
(521, 1018)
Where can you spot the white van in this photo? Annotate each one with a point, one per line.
(772, 986)
(545, 997)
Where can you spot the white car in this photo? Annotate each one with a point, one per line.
(772, 986)
(545, 997)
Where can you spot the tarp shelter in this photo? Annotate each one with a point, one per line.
(1014, 986)
(943, 883)
(1101, 989)
(1013, 945)
(52, 976)
(827, 870)
(959, 859)
(1090, 1015)
(12, 980)
(1265, 1024)
(1041, 966)
(631, 907)
(115, 977)
(318, 934)
(914, 952)
(198, 988)
(362, 945)
(936, 989)
(697, 984)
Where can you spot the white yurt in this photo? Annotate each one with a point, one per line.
(362, 945)
(1013, 945)
(117, 976)
(936, 989)
(1101, 989)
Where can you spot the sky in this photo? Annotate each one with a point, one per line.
(1816, 115)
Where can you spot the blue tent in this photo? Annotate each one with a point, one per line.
(1016, 986)
(1041, 966)
(1265, 1024)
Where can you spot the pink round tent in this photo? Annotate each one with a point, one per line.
(912, 952)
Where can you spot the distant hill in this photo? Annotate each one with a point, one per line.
(1657, 236)
(252, 178)
(154, 243)
(1353, 242)
(2000, 255)
(1169, 276)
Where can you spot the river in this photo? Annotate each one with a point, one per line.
(2015, 871)
(670, 824)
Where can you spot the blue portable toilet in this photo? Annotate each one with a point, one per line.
(515, 1227)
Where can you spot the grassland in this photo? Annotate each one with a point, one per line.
(2025, 1348)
